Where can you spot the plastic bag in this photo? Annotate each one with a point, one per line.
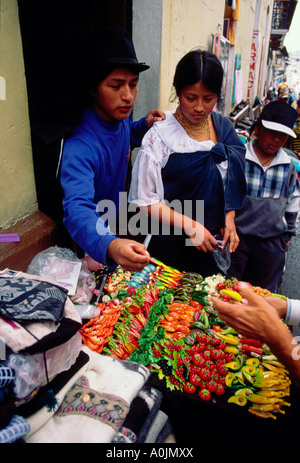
(87, 311)
(85, 286)
(64, 267)
(30, 371)
(221, 254)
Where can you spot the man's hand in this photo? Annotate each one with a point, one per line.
(131, 255)
(254, 317)
(154, 115)
(279, 304)
(257, 319)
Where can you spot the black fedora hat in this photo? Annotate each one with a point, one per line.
(108, 49)
(279, 116)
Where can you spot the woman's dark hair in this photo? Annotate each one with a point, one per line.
(199, 66)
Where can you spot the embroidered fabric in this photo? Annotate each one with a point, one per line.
(81, 399)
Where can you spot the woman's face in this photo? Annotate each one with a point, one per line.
(115, 96)
(196, 102)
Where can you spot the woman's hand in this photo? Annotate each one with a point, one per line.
(229, 232)
(201, 238)
(130, 254)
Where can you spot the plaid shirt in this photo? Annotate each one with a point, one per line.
(273, 199)
(269, 182)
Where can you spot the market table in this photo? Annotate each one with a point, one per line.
(193, 420)
(197, 422)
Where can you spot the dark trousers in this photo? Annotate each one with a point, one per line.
(259, 261)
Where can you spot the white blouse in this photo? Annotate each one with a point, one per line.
(164, 138)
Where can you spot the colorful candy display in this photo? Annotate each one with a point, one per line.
(163, 318)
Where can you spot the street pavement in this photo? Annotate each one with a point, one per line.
(290, 284)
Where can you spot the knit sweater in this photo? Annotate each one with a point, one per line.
(93, 174)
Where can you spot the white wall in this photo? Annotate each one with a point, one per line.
(17, 185)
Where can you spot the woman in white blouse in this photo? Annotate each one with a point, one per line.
(189, 173)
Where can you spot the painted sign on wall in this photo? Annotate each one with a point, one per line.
(254, 64)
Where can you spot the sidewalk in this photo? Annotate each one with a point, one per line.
(290, 286)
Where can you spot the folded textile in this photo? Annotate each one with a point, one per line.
(4, 392)
(158, 397)
(81, 399)
(38, 336)
(6, 375)
(159, 423)
(139, 418)
(34, 410)
(164, 432)
(34, 371)
(50, 336)
(16, 429)
(124, 436)
(94, 406)
(26, 299)
(7, 410)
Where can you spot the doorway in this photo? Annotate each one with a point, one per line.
(53, 34)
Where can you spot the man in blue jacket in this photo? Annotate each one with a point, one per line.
(95, 157)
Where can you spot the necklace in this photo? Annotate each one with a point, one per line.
(267, 161)
(259, 154)
(199, 132)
